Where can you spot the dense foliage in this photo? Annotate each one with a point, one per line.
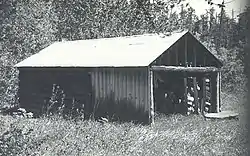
(30, 25)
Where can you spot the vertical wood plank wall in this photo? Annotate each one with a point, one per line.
(125, 83)
(176, 54)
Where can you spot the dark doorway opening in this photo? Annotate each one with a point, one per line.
(171, 96)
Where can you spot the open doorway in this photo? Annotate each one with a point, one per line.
(178, 92)
(168, 92)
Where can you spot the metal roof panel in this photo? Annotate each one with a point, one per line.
(129, 51)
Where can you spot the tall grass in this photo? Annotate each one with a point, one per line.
(171, 135)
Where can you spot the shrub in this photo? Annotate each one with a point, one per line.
(57, 106)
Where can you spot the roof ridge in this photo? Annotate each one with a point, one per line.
(137, 35)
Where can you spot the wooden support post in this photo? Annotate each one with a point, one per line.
(219, 91)
(151, 97)
(218, 87)
(185, 90)
(195, 96)
(211, 90)
(204, 96)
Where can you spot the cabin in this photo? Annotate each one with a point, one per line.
(124, 78)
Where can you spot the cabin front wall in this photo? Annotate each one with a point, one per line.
(186, 52)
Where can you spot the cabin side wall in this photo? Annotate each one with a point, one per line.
(114, 90)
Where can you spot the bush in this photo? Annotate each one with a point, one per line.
(57, 106)
(8, 86)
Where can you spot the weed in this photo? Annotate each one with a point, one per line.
(57, 105)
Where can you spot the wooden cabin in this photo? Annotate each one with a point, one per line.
(128, 78)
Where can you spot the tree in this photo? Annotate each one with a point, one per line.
(28, 26)
(244, 30)
(109, 18)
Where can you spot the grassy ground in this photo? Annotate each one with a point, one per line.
(171, 135)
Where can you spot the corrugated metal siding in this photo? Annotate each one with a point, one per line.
(124, 83)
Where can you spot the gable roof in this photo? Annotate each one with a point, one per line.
(130, 51)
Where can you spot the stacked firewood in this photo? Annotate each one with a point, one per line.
(190, 98)
(208, 96)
